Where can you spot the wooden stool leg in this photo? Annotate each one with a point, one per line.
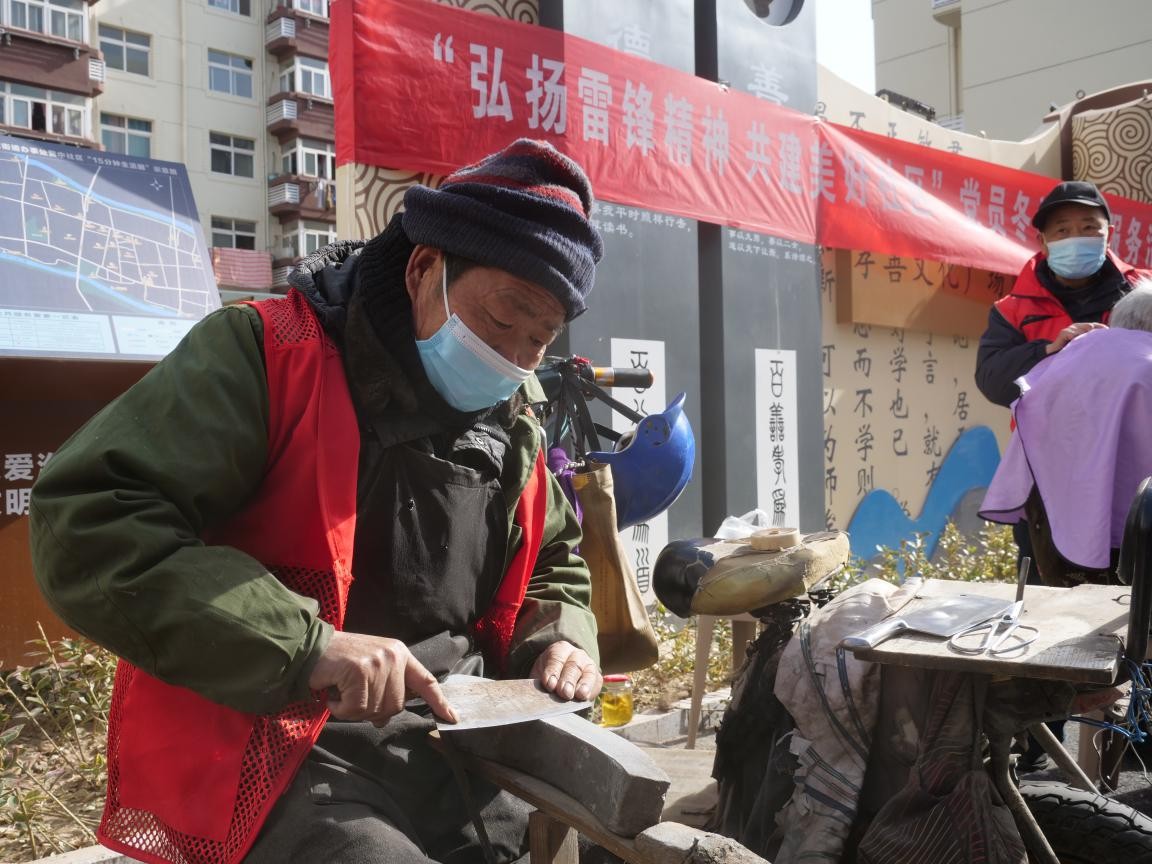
(1086, 755)
(551, 842)
(704, 625)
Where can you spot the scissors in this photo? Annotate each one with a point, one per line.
(1003, 633)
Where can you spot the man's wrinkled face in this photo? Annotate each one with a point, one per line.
(516, 318)
(1075, 220)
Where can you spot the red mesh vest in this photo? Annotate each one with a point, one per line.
(1034, 310)
(191, 781)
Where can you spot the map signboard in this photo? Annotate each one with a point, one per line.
(101, 254)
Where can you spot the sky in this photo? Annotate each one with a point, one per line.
(844, 41)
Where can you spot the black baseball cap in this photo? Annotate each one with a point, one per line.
(1070, 192)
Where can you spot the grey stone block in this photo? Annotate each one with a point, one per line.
(618, 783)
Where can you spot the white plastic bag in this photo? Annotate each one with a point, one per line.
(739, 527)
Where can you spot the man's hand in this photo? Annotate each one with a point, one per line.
(568, 672)
(371, 675)
(1071, 332)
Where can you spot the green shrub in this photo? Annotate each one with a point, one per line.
(990, 556)
(53, 728)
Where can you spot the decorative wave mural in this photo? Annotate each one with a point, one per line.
(879, 521)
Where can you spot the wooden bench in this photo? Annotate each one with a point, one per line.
(583, 779)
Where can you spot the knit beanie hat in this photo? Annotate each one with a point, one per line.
(524, 210)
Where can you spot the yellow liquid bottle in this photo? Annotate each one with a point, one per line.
(616, 700)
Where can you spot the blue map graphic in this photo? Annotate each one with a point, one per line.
(97, 251)
(879, 520)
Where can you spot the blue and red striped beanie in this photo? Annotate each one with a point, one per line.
(524, 210)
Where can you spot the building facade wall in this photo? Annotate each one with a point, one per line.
(1016, 57)
(176, 98)
(913, 53)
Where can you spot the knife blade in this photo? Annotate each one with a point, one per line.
(482, 702)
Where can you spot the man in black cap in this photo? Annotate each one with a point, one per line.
(1066, 289)
(313, 509)
(1069, 287)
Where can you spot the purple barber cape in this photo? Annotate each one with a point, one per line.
(1084, 437)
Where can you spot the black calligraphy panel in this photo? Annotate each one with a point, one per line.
(646, 284)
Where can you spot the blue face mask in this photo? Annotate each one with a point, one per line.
(468, 372)
(1077, 257)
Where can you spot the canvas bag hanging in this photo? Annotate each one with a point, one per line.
(626, 639)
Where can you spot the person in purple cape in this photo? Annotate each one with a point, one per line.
(1081, 446)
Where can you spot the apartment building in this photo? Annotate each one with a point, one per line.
(50, 71)
(998, 66)
(236, 90)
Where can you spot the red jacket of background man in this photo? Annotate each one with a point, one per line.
(190, 780)
(1036, 312)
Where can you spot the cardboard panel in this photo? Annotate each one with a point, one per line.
(42, 402)
(914, 294)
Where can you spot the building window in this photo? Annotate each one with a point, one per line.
(318, 8)
(46, 110)
(125, 50)
(310, 159)
(232, 154)
(237, 7)
(228, 73)
(307, 76)
(233, 233)
(67, 19)
(303, 239)
(126, 135)
(317, 235)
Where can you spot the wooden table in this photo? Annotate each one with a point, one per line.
(1080, 640)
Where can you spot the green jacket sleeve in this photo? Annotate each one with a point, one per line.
(117, 513)
(557, 604)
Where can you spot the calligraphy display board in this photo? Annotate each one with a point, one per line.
(644, 542)
(909, 442)
(646, 285)
(760, 294)
(777, 465)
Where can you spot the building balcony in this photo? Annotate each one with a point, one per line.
(955, 122)
(281, 269)
(51, 62)
(288, 32)
(292, 198)
(947, 12)
(50, 137)
(299, 115)
(242, 269)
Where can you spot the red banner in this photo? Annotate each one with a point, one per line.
(427, 87)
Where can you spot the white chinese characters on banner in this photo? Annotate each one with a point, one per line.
(19, 472)
(777, 469)
(643, 542)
